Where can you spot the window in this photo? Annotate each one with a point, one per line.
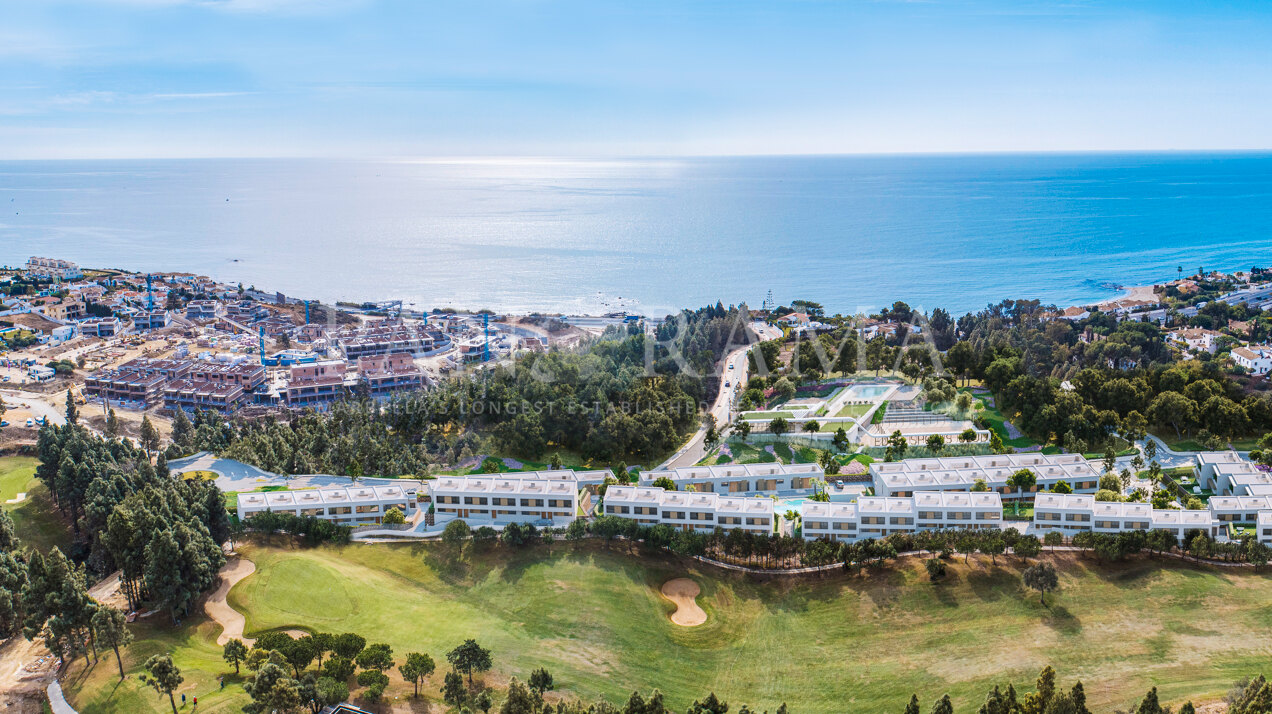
(929, 515)
(845, 526)
(899, 521)
(1079, 517)
(757, 521)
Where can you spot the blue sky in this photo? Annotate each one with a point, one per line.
(137, 78)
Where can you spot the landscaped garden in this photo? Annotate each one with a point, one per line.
(593, 616)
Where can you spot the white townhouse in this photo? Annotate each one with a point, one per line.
(1238, 509)
(1227, 474)
(833, 521)
(689, 510)
(1255, 359)
(1070, 514)
(740, 478)
(1180, 522)
(1264, 527)
(500, 499)
(1195, 339)
(354, 505)
(960, 473)
(879, 517)
(936, 510)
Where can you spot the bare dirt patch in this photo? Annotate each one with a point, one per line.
(230, 620)
(683, 592)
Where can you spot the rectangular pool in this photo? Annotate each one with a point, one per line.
(867, 391)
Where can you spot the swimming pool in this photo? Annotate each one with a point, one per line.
(789, 504)
(867, 391)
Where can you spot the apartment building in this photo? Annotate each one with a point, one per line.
(215, 385)
(146, 320)
(1225, 473)
(498, 501)
(246, 311)
(52, 269)
(352, 506)
(740, 478)
(139, 383)
(388, 373)
(690, 510)
(102, 327)
(960, 473)
(385, 339)
(202, 310)
(315, 384)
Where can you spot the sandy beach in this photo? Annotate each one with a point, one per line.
(1135, 293)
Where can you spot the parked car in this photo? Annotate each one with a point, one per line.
(30, 423)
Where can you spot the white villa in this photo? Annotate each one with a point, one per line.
(689, 510)
(1227, 474)
(1255, 359)
(352, 506)
(960, 473)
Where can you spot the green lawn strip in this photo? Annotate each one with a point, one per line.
(594, 618)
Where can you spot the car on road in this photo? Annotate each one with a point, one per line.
(30, 423)
(730, 366)
(728, 384)
(3, 424)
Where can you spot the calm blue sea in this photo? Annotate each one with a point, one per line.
(583, 235)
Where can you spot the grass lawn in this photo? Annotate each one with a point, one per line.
(594, 618)
(854, 410)
(36, 520)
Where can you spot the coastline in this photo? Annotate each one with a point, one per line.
(1135, 293)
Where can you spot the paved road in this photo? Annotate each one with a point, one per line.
(57, 702)
(36, 404)
(731, 384)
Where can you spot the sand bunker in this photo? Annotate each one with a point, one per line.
(684, 593)
(230, 620)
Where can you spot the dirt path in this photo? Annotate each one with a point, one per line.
(684, 593)
(227, 617)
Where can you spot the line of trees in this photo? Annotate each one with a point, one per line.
(1049, 698)
(47, 596)
(163, 534)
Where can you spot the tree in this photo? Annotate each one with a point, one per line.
(1150, 705)
(1021, 480)
(348, 645)
(375, 683)
(1041, 577)
(784, 388)
(811, 426)
(665, 483)
(1174, 409)
(111, 626)
(1027, 546)
(112, 423)
(979, 486)
(234, 653)
(163, 676)
(779, 426)
(742, 427)
(1062, 486)
(338, 667)
(453, 689)
(330, 691)
(455, 533)
(896, 447)
(943, 706)
(936, 443)
(913, 706)
(840, 440)
(555, 462)
(968, 435)
(416, 667)
(541, 681)
(300, 653)
(935, 568)
(468, 658)
(394, 517)
(378, 656)
(149, 436)
(72, 412)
